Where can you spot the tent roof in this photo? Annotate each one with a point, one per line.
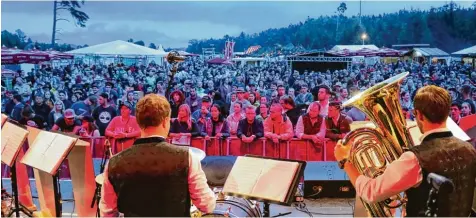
(431, 52)
(466, 51)
(352, 48)
(119, 47)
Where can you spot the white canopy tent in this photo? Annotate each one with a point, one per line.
(118, 48)
(352, 48)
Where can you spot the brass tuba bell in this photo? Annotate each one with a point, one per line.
(174, 57)
(372, 149)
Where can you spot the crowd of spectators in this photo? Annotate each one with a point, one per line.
(248, 102)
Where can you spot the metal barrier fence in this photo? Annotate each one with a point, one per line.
(295, 149)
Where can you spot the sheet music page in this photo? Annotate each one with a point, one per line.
(35, 154)
(243, 175)
(275, 180)
(183, 140)
(56, 152)
(4, 119)
(13, 138)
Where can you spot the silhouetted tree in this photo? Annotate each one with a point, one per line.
(71, 6)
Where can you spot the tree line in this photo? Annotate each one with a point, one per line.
(449, 28)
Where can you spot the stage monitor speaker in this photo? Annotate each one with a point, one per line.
(324, 179)
(217, 168)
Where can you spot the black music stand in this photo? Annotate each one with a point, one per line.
(441, 187)
(47, 153)
(255, 165)
(17, 135)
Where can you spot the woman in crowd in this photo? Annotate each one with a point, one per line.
(234, 119)
(55, 114)
(177, 99)
(216, 125)
(88, 128)
(183, 128)
(253, 100)
(262, 112)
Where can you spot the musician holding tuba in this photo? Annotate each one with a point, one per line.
(439, 152)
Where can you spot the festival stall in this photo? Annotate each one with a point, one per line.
(467, 55)
(119, 51)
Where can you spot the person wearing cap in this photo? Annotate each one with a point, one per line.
(88, 128)
(103, 113)
(123, 129)
(337, 126)
(240, 94)
(304, 97)
(203, 113)
(68, 123)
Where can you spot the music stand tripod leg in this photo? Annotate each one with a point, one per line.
(13, 177)
(57, 193)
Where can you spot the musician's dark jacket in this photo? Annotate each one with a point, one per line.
(446, 155)
(333, 131)
(149, 186)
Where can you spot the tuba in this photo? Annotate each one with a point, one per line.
(373, 148)
(174, 59)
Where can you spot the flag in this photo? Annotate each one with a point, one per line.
(252, 49)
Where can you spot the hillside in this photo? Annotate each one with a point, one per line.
(450, 28)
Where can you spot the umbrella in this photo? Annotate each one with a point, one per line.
(16, 56)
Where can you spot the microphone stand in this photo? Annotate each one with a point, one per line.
(97, 192)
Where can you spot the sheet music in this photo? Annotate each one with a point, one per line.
(13, 138)
(183, 140)
(275, 180)
(261, 178)
(47, 151)
(243, 175)
(4, 118)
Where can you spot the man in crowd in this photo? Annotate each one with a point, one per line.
(123, 129)
(337, 126)
(67, 123)
(16, 112)
(250, 129)
(172, 179)
(103, 113)
(240, 94)
(84, 108)
(311, 126)
(277, 126)
(439, 152)
(41, 108)
(64, 98)
(456, 111)
(29, 118)
(193, 100)
(290, 109)
(204, 110)
(323, 95)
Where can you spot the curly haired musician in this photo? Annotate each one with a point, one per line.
(153, 177)
(439, 152)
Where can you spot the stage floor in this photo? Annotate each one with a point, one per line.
(319, 207)
(338, 207)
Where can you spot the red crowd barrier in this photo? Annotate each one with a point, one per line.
(296, 149)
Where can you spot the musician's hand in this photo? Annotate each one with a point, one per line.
(340, 151)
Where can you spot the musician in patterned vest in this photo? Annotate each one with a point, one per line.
(439, 152)
(153, 177)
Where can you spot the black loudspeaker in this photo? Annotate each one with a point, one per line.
(324, 179)
(217, 168)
